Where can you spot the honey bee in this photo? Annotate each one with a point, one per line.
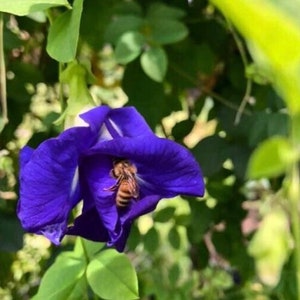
(126, 186)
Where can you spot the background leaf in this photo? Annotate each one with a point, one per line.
(154, 62)
(129, 47)
(166, 31)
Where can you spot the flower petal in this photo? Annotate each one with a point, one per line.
(120, 241)
(48, 184)
(128, 122)
(164, 167)
(95, 117)
(25, 156)
(97, 181)
(89, 225)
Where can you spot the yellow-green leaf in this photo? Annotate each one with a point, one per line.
(274, 36)
(25, 7)
(271, 158)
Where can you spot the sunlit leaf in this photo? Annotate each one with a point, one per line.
(154, 62)
(129, 47)
(271, 158)
(65, 279)
(274, 40)
(111, 276)
(86, 247)
(64, 33)
(25, 7)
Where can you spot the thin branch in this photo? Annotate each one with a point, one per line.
(244, 102)
(3, 98)
(243, 54)
(209, 92)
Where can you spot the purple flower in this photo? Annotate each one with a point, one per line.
(116, 165)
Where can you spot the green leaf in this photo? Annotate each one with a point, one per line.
(86, 247)
(64, 33)
(129, 47)
(159, 10)
(128, 8)
(166, 31)
(182, 129)
(174, 274)
(121, 25)
(77, 76)
(271, 158)
(266, 125)
(154, 62)
(111, 276)
(25, 7)
(64, 280)
(164, 215)
(174, 237)
(274, 43)
(211, 153)
(151, 240)
(148, 96)
(11, 233)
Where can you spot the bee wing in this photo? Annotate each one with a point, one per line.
(133, 186)
(116, 185)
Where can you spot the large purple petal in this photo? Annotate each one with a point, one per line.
(49, 182)
(96, 173)
(164, 167)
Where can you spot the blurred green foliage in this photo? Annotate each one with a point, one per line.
(231, 96)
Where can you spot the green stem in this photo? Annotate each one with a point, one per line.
(95, 297)
(61, 89)
(243, 55)
(244, 102)
(294, 199)
(3, 99)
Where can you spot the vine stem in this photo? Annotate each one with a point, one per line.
(208, 92)
(243, 55)
(3, 98)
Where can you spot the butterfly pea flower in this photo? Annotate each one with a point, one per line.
(115, 164)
